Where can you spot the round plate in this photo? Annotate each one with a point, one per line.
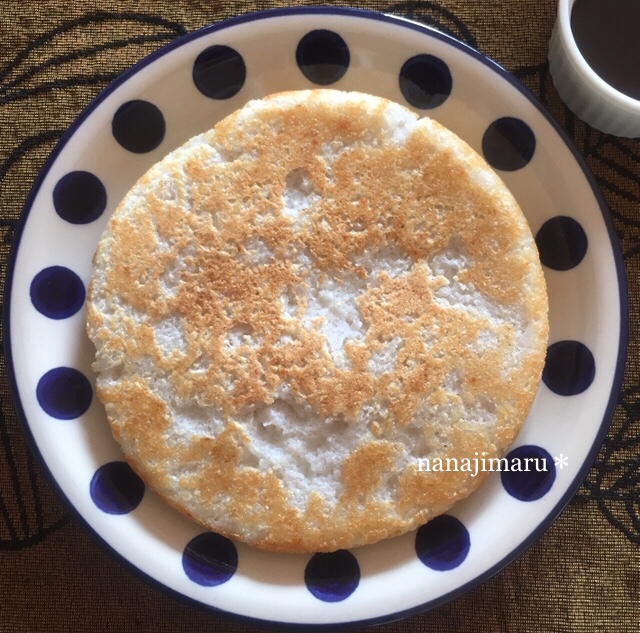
(182, 90)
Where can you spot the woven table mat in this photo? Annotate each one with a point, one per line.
(582, 575)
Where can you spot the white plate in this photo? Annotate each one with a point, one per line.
(267, 52)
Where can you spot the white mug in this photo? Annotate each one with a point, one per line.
(587, 94)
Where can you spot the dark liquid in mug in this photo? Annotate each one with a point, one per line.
(607, 33)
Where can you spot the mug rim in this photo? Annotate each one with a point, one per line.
(589, 75)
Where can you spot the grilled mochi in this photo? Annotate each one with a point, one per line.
(294, 308)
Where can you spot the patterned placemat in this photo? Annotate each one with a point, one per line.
(582, 575)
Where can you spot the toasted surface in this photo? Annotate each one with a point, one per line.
(293, 308)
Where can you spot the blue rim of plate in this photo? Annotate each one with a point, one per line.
(504, 74)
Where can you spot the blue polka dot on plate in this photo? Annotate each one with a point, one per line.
(79, 197)
(569, 368)
(138, 126)
(57, 292)
(64, 393)
(562, 243)
(443, 543)
(219, 72)
(116, 489)
(210, 559)
(323, 57)
(425, 81)
(508, 144)
(529, 473)
(332, 577)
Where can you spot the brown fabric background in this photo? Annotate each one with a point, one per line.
(583, 575)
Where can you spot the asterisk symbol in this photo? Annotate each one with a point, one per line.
(561, 461)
